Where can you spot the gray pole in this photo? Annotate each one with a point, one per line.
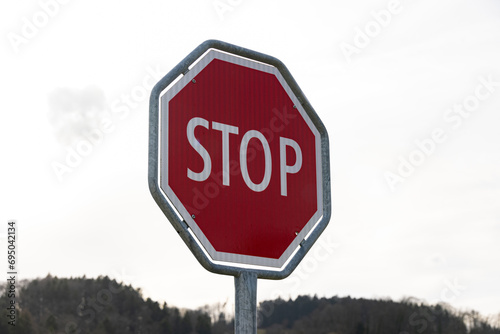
(245, 318)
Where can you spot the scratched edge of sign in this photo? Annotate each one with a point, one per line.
(311, 230)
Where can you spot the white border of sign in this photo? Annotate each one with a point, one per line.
(169, 93)
(166, 206)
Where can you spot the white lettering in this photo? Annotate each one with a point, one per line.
(243, 160)
(205, 173)
(284, 168)
(226, 130)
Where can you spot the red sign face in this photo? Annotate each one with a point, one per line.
(240, 160)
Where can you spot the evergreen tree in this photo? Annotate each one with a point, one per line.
(186, 325)
(203, 324)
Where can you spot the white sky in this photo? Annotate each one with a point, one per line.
(435, 237)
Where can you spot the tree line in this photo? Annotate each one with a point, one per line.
(53, 305)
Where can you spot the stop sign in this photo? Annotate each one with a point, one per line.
(240, 158)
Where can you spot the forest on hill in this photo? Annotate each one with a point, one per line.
(102, 306)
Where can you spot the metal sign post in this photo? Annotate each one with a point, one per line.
(239, 164)
(245, 317)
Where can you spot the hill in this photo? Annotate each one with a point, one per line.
(103, 306)
(96, 306)
(364, 316)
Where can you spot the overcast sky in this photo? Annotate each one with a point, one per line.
(408, 90)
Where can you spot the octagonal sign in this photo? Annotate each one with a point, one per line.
(240, 156)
